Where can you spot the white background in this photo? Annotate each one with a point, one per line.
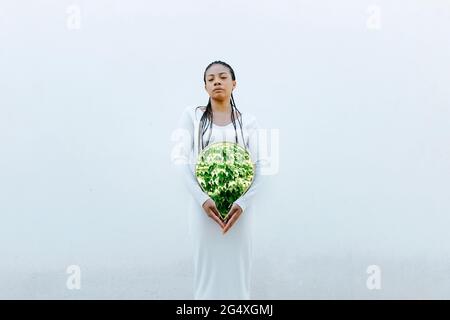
(358, 91)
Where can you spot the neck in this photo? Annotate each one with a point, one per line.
(221, 106)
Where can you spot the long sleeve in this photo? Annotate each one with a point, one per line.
(255, 149)
(181, 156)
(247, 198)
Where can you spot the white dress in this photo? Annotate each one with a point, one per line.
(222, 262)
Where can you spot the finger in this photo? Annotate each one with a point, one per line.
(230, 223)
(211, 210)
(217, 219)
(231, 214)
(217, 213)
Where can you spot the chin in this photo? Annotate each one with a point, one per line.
(219, 97)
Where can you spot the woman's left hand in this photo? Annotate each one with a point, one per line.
(232, 216)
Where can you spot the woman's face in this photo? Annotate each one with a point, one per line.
(219, 84)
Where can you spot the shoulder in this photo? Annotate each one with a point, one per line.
(192, 112)
(249, 120)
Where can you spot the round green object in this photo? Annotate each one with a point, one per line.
(224, 171)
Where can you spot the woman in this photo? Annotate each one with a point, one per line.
(222, 260)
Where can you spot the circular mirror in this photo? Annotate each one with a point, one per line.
(225, 172)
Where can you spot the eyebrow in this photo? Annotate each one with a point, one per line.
(211, 74)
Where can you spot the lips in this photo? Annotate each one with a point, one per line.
(217, 89)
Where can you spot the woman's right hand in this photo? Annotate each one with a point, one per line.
(211, 210)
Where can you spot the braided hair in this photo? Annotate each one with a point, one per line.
(206, 120)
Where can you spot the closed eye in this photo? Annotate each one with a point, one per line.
(221, 77)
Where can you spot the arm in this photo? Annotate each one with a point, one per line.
(255, 149)
(181, 153)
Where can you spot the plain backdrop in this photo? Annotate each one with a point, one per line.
(90, 93)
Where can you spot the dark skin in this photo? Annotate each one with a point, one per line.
(219, 85)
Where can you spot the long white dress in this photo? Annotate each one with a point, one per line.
(222, 262)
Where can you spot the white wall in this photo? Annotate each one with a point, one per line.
(89, 95)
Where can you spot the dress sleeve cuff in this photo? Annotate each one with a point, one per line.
(241, 203)
(203, 198)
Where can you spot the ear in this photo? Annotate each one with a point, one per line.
(234, 84)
